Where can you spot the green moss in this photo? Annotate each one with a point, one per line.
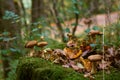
(39, 69)
(113, 75)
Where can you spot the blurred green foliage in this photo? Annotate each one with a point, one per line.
(112, 34)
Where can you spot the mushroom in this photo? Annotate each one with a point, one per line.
(92, 35)
(93, 59)
(88, 22)
(42, 44)
(31, 44)
(95, 32)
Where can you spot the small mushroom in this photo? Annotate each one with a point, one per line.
(88, 21)
(42, 45)
(93, 59)
(31, 44)
(92, 35)
(95, 32)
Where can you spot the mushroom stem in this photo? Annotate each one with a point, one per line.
(32, 51)
(93, 70)
(42, 50)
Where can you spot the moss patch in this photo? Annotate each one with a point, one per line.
(40, 69)
(113, 75)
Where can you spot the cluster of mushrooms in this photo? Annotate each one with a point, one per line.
(79, 55)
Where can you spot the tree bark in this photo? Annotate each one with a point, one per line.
(6, 25)
(8, 5)
(37, 9)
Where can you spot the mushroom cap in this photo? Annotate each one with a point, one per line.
(96, 57)
(31, 44)
(95, 32)
(87, 21)
(42, 44)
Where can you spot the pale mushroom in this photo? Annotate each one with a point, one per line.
(94, 59)
(31, 44)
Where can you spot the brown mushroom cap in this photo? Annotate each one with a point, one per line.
(95, 32)
(31, 44)
(87, 21)
(96, 57)
(42, 44)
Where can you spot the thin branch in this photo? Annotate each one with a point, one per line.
(76, 20)
(57, 21)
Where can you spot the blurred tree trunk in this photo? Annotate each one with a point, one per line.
(23, 12)
(55, 13)
(6, 25)
(37, 9)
